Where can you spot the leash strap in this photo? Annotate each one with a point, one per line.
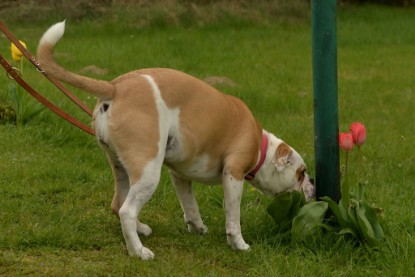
(32, 59)
(13, 74)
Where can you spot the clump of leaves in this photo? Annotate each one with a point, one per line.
(25, 109)
(359, 219)
(362, 221)
(290, 211)
(7, 114)
(353, 214)
(284, 207)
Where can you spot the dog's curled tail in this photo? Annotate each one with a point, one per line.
(102, 89)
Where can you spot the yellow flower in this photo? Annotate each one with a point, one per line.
(16, 53)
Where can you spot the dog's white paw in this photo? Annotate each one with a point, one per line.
(146, 254)
(237, 242)
(200, 229)
(143, 229)
(143, 253)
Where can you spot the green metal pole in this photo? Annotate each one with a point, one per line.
(326, 126)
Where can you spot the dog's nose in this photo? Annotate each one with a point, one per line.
(312, 180)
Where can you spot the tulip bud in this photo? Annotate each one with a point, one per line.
(346, 141)
(16, 53)
(358, 131)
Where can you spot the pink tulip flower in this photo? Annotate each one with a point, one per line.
(346, 141)
(358, 131)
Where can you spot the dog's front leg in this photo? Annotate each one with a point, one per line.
(189, 205)
(233, 193)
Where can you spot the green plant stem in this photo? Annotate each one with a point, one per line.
(359, 163)
(345, 186)
(21, 66)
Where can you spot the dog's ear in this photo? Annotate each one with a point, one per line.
(282, 156)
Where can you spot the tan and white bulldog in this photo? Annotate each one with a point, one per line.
(150, 117)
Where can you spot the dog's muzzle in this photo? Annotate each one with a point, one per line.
(309, 188)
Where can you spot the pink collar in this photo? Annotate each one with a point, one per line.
(264, 146)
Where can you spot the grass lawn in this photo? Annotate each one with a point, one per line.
(56, 187)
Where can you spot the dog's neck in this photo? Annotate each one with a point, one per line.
(262, 156)
(263, 178)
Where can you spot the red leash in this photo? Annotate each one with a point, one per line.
(16, 76)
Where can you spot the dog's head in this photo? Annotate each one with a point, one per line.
(283, 170)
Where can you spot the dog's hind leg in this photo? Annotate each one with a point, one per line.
(141, 190)
(188, 202)
(121, 184)
(122, 187)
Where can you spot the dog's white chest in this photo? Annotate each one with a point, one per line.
(198, 169)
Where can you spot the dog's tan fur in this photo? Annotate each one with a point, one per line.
(153, 116)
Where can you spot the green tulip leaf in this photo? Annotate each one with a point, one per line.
(343, 212)
(346, 219)
(285, 207)
(352, 218)
(369, 225)
(298, 202)
(309, 217)
(341, 219)
(350, 231)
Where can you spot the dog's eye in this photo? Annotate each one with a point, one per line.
(301, 173)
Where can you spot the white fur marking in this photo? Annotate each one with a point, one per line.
(168, 118)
